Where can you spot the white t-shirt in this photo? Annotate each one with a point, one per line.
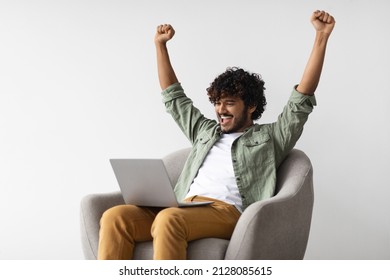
(215, 178)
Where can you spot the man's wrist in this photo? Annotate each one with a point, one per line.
(322, 37)
(160, 44)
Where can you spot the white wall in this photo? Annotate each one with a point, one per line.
(79, 85)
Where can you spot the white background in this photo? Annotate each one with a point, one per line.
(78, 85)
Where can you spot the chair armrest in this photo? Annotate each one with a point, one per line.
(278, 227)
(91, 210)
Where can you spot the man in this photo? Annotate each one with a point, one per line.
(233, 161)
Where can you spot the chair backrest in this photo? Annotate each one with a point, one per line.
(174, 163)
(296, 165)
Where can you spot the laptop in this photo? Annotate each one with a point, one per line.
(145, 182)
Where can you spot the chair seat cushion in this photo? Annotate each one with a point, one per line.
(202, 249)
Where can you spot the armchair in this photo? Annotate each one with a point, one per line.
(274, 228)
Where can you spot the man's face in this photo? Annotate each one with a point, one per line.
(233, 115)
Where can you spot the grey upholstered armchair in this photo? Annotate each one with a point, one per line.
(275, 228)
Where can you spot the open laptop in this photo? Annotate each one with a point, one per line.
(145, 182)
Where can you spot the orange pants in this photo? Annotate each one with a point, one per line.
(169, 228)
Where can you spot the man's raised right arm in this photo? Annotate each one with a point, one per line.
(166, 74)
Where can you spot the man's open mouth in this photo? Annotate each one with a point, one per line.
(225, 118)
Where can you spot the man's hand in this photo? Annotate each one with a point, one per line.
(322, 22)
(164, 33)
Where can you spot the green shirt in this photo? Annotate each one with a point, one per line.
(256, 154)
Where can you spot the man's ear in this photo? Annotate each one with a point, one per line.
(252, 108)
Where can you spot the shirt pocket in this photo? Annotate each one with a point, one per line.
(259, 148)
(257, 140)
(203, 138)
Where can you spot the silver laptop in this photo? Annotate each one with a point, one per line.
(145, 182)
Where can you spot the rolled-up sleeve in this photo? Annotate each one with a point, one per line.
(300, 98)
(172, 92)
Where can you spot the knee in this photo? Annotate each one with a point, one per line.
(168, 220)
(113, 216)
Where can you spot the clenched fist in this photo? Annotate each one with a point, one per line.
(322, 21)
(164, 33)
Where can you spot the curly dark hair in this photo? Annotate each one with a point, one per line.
(240, 83)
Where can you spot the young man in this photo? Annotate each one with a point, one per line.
(233, 161)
